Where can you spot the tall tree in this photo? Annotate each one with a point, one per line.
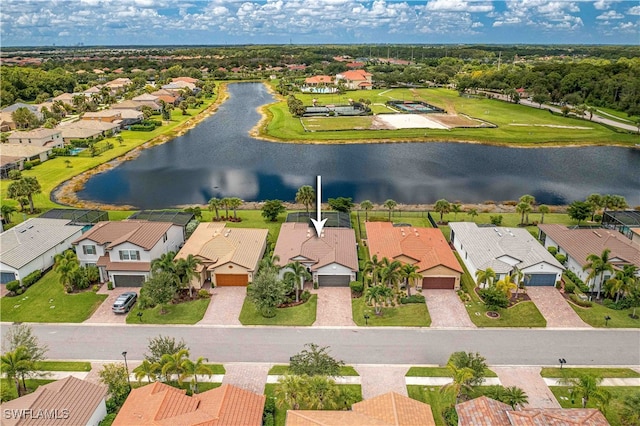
(186, 269)
(164, 263)
(14, 364)
(306, 195)
(234, 203)
(24, 118)
(174, 364)
(596, 201)
(66, 263)
(586, 387)
(25, 187)
(473, 213)
(407, 271)
(314, 360)
(460, 380)
(193, 368)
(160, 289)
(523, 208)
(598, 265)
(226, 204)
(215, 204)
(372, 269)
(22, 335)
(300, 274)
(579, 210)
(366, 205)
(442, 206)
(390, 273)
(486, 277)
(147, 369)
(115, 377)
(271, 209)
(456, 208)
(529, 199)
(267, 292)
(543, 209)
(390, 204)
(376, 295)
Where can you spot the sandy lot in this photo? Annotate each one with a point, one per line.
(409, 121)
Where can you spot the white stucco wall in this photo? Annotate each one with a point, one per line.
(99, 414)
(88, 258)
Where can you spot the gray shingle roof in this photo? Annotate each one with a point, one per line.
(30, 239)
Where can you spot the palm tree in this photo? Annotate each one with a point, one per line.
(300, 273)
(372, 268)
(390, 204)
(215, 204)
(515, 397)
(322, 393)
(586, 387)
(473, 213)
(186, 271)
(518, 278)
(543, 209)
(306, 195)
(16, 364)
(269, 262)
(192, 369)
(523, 208)
(596, 201)
(25, 187)
(406, 271)
(486, 277)
(622, 281)
(442, 206)
(505, 285)
(226, 204)
(174, 364)
(289, 391)
(390, 272)
(376, 295)
(7, 210)
(164, 263)
(234, 203)
(147, 369)
(366, 205)
(529, 199)
(460, 383)
(598, 265)
(66, 264)
(456, 208)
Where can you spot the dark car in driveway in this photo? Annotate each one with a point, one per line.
(124, 302)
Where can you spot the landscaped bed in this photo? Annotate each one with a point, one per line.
(300, 315)
(438, 372)
(409, 315)
(281, 369)
(181, 313)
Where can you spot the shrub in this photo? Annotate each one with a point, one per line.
(414, 298)
(577, 281)
(561, 258)
(494, 298)
(203, 294)
(496, 220)
(553, 250)
(356, 287)
(608, 303)
(95, 288)
(13, 286)
(19, 291)
(305, 295)
(569, 287)
(269, 406)
(109, 285)
(584, 303)
(27, 165)
(316, 285)
(268, 420)
(31, 279)
(597, 218)
(142, 128)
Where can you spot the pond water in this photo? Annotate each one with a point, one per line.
(219, 158)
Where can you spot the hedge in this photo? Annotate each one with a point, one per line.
(12, 286)
(577, 281)
(31, 279)
(584, 303)
(142, 128)
(414, 298)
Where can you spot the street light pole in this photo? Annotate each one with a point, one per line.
(126, 366)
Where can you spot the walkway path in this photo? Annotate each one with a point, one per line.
(379, 379)
(446, 309)
(249, 376)
(529, 380)
(225, 306)
(334, 307)
(554, 308)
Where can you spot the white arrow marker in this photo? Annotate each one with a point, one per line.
(318, 222)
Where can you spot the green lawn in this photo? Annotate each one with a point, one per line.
(46, 301)
(438, 372)
(64, 366)
(431, 395)
(283, 126)
(300, 315)
(32, 384)
(217, 368)
(409, 315)
(182, 313)
(618, 394)
(281, 369)
(186, 385)
(594, 316)
(601, 372)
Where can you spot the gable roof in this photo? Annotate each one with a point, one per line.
(336, 245)
(160, 404)
(426, 245)
(141, 233)
(389, 409)
(318, 79)
(78, 397)
(145, 97)
(30, 239)
(485, 246)
(580, 243)
(216, 245)
(39, 133)
(354, 75)
(483, 411)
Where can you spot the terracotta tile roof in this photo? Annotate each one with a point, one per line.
(141, 233)
(216, 245)
(389, 409)
(580, 243)
(186, 79)
(123, 266)
(319, 79)
(160, 404)
(355, 75)
(80, 398)
(483, 411)
(426, 245)
(336, 245)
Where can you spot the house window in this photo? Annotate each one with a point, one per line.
(129, 255)
(89, 249)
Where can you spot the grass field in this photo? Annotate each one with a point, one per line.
(46, 301)
(437, 400)
(601, 372)
(301, 315)
(281, 369)
(182, 313)
(594, 316)
(409, 315)
(618, 394)
(283, 126)
(63, 366)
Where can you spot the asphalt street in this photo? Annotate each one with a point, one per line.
(351, 344)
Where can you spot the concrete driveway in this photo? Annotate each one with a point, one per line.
(446, 309)
(103, 314)
(334, 307)
(225, 306)
(554, 308)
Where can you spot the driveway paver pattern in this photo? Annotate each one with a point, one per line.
(104, 315)
(554, 308)
(529, 380)
(334, 307)
(225, 306)
(446, 309)
(379, 379)
(249, 376)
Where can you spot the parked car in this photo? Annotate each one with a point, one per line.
(124, 302)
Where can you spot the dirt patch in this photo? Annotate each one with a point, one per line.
(455, 120)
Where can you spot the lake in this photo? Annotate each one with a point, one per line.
(218, 158)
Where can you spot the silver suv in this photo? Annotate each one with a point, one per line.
(124, 302)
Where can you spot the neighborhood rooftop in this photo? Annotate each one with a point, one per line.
(141, 233)
(175, 217)
(77, 216)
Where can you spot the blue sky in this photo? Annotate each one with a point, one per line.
(179, 22)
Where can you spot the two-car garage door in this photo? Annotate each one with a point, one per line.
(334, 280)
(537, 280)
(128, 280)
(230, 280)
(447, 283)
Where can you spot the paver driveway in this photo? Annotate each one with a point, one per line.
(225, 306)
(530, 381)
(334, 307)
(446, 309)
(245, 375)
(104, 315)
(554, 308)
(378, 379)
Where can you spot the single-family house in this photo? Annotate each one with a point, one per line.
(426, 248)
(318, 80)
(635, 235)
(65, 98)
(105, 115)
(146, 97)
(503, 250)
(389, 409)
(118, 84)
(22, 153)
(185, 79)
(32, 245)
(68, 401)
(123, 250)
(128, 104)
(486, 411)
(8, 163)
(38, 137)
(228, 256)
(331, 258)
(129, 117)
(7, 123)
(356, 79)
(577, 244)
(34, 109)
(158, 404)
(87, 129)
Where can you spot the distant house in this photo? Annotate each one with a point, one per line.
(88, 129)
(146, 97)
(389, 409)
(356, 79)
(7, 123)
(128, 104)
(158, 404)
(118, 84)
(318, 80)
(106, 115)
(69, 401)
(331, 258)
(34, 109)
(486, 411)
(228, 256)
(426, 248)
(51, 138)
(32, 245)
(503, 250)
(8, 163)
(123, 250)
(185, 79)
(577, 244)
(21, 153)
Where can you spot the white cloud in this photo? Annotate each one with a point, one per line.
(610, 14)
(635, 10)
(459, 6)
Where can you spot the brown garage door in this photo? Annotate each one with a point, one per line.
(439, 282)
(226, 280)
